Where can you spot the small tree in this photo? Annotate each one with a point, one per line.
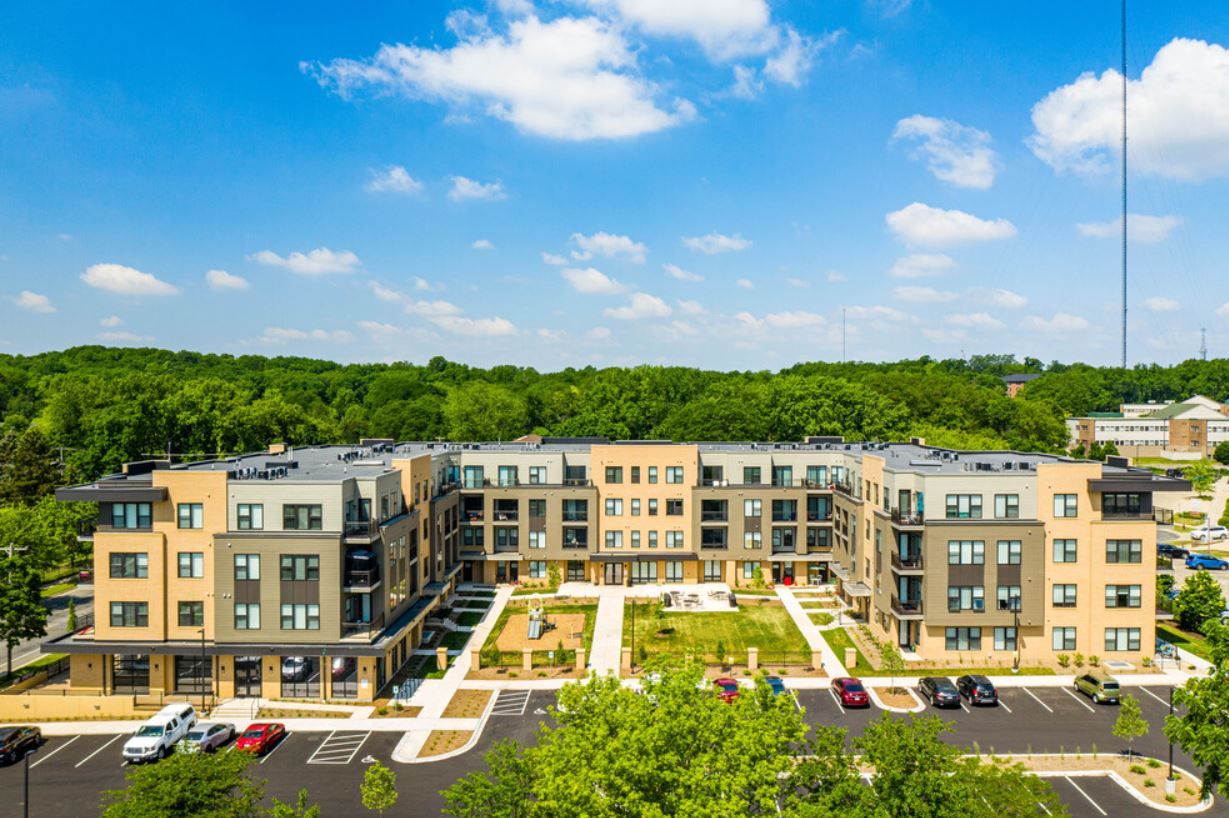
(379, 788)
(553, 577)
(757, 578)
(1221, 454)
(72, 615)
(1200, 599)
(892, 663)
(721, 653)
(1078, 451)
(1164, 584)
(22, 615)
(1130, 724)
(196, 785)
(1203, 477)
(299, 809)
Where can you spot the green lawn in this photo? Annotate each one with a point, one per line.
(52, 590)
(767, 627)
(456, 640)
(470, 618)
(1193, 642)
(838, 639)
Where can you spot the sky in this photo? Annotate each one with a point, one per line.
(732, 184)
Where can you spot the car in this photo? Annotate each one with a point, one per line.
(261, 737)
(727, 689)
(1172, 551)
(1207, 533)
(776, 684)
(977, 689)
(850, 692)
(341, 669)
(1204, 562)
(18, 742)
(157, 737)
(939, 691)
(207, 737)
(1098, 685)
(85, 576)
(294, 668)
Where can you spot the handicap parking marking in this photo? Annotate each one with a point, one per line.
(1080, 790)
(339, 748)
(511, 703)
(48, 755)
(112, 740)
(1083, 703)
(1039, 701)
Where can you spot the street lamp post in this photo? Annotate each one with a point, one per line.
(200, 671)
(1170, 785)
(25, 801)
(633, 633)
(1015, 612)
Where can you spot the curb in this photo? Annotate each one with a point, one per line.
(1202, 806)
(920, 708)
(464, 748)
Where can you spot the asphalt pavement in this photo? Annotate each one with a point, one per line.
(57, 622)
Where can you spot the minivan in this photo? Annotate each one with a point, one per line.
(1098, 686)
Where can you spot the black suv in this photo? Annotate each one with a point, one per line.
(939, 691)
(16, 742)
(977, 689)
(1164, 549)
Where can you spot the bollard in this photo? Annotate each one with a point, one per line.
(441, 658)
(580, 661)
(475, 658)
(851, 657)
(753, 659)
(526, 659)
(626, 665)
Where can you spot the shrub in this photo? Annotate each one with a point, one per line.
(721, 653)
(1170, 798)
(1146, 661)
(1153, 763)
(1094, 660)
(644, 654)
(1138, 769)
(1064, 659)
(1078, 659)
(822, 619)
(1148, 782)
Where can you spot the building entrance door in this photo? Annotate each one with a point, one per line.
(614, 573)
(247, 676)
(783, 573)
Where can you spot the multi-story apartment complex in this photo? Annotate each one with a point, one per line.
(1193, 428)
(308, 573)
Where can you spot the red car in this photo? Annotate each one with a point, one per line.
(851, 692)
(727, 689)
(261, 737)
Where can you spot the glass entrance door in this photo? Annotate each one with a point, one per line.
(247, 676)
(614, 573)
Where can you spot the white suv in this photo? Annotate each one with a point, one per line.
(157, 737)
(1207, 533)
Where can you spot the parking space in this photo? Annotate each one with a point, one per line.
(339, 747)
(511, 703)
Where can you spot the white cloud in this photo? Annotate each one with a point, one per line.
(386, 294)
(920, 224)
(464, 190)
(568, 78)
(641, 305)
(889, 8)
(283, 335)
(111, 321)
(714, 243)
(1060, 323)
(377, 328)
(222, 280)
(1158, 303)
(789, 65)
(117, 278)
(477, 327)
(794, 319)
(123, 337)
(1223, 310)
(745, 283)
(483, 244)
(554, 260)
(553, 335)
(877, 311)
(607, 245)
(691, 307)
(422, 285)
(998, 297)
(979, 320)
(1141, 228)
(747, 83)
(675, 271)
(724, 29)
(923, 295)
(921, 265)
(320, 261)
(954, 153)
(598, 334)
(836, 277)
(1178, 117)
(393, 179)
(431, 309)
(34, 302)
(796, 283)
(943, 336)
(592, 281)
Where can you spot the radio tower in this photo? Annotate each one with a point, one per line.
(1124, 184)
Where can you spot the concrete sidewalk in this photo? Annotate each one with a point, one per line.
(391, 725)
(810, 631)
(607, 650)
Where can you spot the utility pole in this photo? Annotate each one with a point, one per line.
(1124, 184)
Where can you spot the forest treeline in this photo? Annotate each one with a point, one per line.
(102, 406)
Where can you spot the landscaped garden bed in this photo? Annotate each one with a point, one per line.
(467, 704)
(444, 741)
(1146, 775)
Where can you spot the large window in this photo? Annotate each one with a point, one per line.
(752, 475)
(1120, 639)
(614, 539)
(782, 475)
(472, 477)
(966, 552)
(1063, 639)
(1122, 596)
(537, 539)
(753, 539)
(537, 508)
(614, 507)
(537, 569)
(712, 570)
(643, 573)
(537, 475)
(784, 510)
(1065, 551)
(1065, 505)
(129, 614)
(302, 517)
(191, 564)
(753, 508)
(576, 571)
(131, 515)
(134, 565)
(966, 598)
(250, 516)
(614, 474)
(301, 677)
(674, 571)
(300, 617)
(817, 475)
(191, 614)
(575, 511)
(674, 539)
(1063, 595)
(1009, 552)
(963, 639)
(674, 508)
(964, 506)
(674, 474)
(247, 616)
(749, 569)
(507, 538)
(1120, 504)
(300, 567)
(1124, 551)
(191, 515)
(1007, 597)
(507, 475)
(1004, 638)
(1007, 506)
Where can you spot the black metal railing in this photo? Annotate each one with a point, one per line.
(362, 579)
(361, 528)
(906, 607)
(909, 561)
(361, 628)
(905, 518)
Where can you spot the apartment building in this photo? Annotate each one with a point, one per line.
(1191, 428)
(308, 573)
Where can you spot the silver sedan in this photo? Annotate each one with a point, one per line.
(207, 737)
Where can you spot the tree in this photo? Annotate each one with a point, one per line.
(72, 614)
(485, 411)
(1199, 727)
(195, 785)
(1221, 453)
(892, 663)
(1200, 599)
(1130, 723)
(1203, 477)
(22, 615)
(28, 467)
(379, 788)
(299, 809)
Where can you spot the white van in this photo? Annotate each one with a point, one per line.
(157, 737)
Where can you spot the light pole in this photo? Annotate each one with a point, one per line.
(1170, 786)
(1015, 612)
(200, 671)
(25, 801)
(633, 633)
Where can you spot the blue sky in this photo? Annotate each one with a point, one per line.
(561, 183)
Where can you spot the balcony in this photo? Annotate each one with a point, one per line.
(847, 489)
(784, 549)
(361, 581)
(903, 519)
(714, 516)
(784, 516)
(1124, 514)
(362, 630)
(819, 516)
(576, 539)
(507, 548)
(910, 562)
(362, 529)
(907, 608)
(505, 516)
(576, 516)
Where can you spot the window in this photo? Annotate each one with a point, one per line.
(652, 506)
(472, 536)
(1120, 639)
(1007, 506)
(191, 515)
(247, 566)
(782, 475)
(753, 508)
(191, 614)
(1065, 505)
(614, 539)
(507, 475)
(749, 569)
(674, 508)
(964, 506)
(575, 511)
(537, 539)
(1064, 595)
(817, 475)
(191, 564)
(753, 539)
(635, 474)
(674, 474)
(635, 539)
(537, 569)
(300, 617)
(711, 475)
(129, 565)
(1123, 551)
(1008, 597)
(751, 475)
(1004, 638)
(1122, 505)
(652, 539)
(507, 538)
(614, 507)
(966, 598)
(713, 537)
(966, 552)
(251, 517)
(1065, 551)
(576, 571)
(1063, 639)
(302, 518)
(674, 571)
(819, 539)
(652, 474)
(537, 508)
(131, 515)
(537, 475)
(247, 616)
(635, 506)
(129, 614)
(712, 570)
(784, 510)
(674, 539)
(472, 477)
(614, 474)
(300, 567)
(963, 639)
(1122, 596)
(1009, 552)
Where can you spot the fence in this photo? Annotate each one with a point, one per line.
(20, 675)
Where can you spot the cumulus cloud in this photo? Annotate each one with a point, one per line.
(747, 83)
(386, 293)
(554, 260)
(379, 329)
(475, 327)
(431, 309)
(978, 320)
(568, 78)
(677, 272)
(795, 319)
(745, 283)
(798, 52)
(1141, 228)
(641, 305)
(691, 307)
(714, 243)
(943, 336)
(1178, 119)
(724, 29)
(1061, 323)
(836, 277)
(1159, 303)
(1223, 310)
(998, 297)
(483, 244)
(591, 281)
(34, 302)
(111, 321)
(393, 179)
(607, 245)
(921, 265)
(923, 295)
(123, 337)
(117, 278)
(464, 190)
(954, 153)
(222, 280)
(321, 261)
(920, 224)
(889, 8)
(422, 285)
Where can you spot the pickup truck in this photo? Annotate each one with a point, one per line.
(157, 737)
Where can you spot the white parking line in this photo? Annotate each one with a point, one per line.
(276, 747)
(793, 694)
(56, 750)
(1153, 695)
(1095, 805)
(837, 699)
(99, 750)
(1039, 701)
(338, 748)
(1003, 705)
(962, 707)
(1078, 699)
(511, 704)
(1044, 808)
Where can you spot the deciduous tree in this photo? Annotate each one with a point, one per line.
(22, 615)
(1130, 723)
(1200, 599)
(195, 785)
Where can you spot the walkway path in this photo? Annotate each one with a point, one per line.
(810, 631)
(607, 650)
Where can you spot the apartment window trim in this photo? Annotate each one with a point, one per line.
(1123, 596)
(963, 506)
(250, 516)
(195, 611)
(247, 616)
(250, 570)
(966, 552)
(1007, 506)
(299, 568)
(1066, 505)
(191, 564)
(1070, 551)
(1010, 552)
(302, 517)
(132, 564)
(190, 515)
(1063, 638)
(1064, 595)
(129, 614)
(299, 616)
